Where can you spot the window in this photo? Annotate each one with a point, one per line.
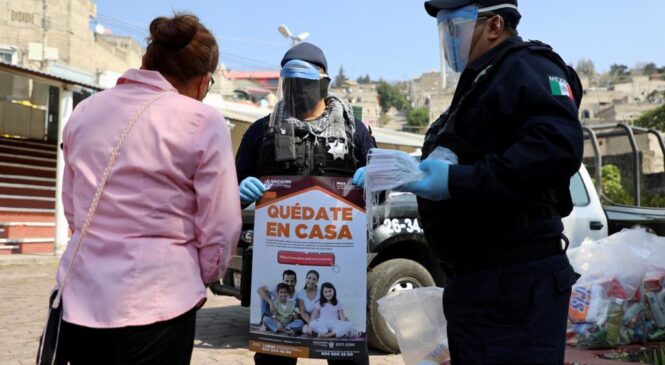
(6, 56)
(578, 191)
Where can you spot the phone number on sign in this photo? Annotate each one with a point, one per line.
(398, 225)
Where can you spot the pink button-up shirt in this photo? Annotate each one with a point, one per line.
(169, 218)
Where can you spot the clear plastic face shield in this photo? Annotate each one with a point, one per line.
(456, 28)
(301, 86)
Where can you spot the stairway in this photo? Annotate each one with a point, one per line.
(27, 196)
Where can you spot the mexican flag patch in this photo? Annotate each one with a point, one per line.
(560, 87)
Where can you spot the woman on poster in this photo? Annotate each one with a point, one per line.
(307, 298)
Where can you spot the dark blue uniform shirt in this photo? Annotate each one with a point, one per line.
(519, 140)
(247, 158)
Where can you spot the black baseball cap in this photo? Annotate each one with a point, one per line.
(306, 52)
(510, 15)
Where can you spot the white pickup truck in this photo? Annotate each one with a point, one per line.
(588, 219)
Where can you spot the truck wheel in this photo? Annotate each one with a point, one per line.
(387, 277)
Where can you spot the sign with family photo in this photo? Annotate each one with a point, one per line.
(309, 278)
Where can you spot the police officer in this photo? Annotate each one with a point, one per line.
(308, 133)
(494, 219)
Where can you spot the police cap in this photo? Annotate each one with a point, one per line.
(511, 16)
(306, 52)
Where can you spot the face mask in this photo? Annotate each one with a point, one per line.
(456, 33)
(302, 86)
(456, 28)
(301, 95)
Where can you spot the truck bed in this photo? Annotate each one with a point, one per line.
(623, 216)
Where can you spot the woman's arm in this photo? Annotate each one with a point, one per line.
(217, 219)
(342, 317)
(315, 314)
(303, 312)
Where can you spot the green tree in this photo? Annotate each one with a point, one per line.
(341, 78)
(390, 96)
(612, 188)
(586, 67)
(652, 119)
(618, 70)
(364, 79)
(418, 117)
(650, 68)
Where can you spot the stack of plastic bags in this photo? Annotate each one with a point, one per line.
(389, 170)
(608, 306)
(421, 334)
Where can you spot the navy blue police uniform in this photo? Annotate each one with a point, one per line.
(514, 126)
(252, 157)
(255, 158)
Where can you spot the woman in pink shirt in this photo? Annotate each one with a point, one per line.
(168, 219)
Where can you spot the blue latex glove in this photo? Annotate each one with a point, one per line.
(359, 178)
(251, 190)
(434, 186)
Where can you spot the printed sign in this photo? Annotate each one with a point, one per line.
(309, 276)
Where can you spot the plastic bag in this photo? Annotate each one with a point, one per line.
(417, 318)
(389, 170)
(606, 303)
(653, 291)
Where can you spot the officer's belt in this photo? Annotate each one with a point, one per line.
(515, 255)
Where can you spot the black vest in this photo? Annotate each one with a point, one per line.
(311, 154)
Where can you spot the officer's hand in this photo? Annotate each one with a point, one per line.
(359, 178)
(434, 186)
(251, 190)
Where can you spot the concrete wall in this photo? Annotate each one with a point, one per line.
(364, 96)
(647, 144)
(68, 31)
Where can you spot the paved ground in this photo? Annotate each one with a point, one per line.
(221, 333)
(26, 280)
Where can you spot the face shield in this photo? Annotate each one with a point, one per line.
(301, 87)
(456, 28)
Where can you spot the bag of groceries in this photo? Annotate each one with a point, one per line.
(653, 291)
(606, 306)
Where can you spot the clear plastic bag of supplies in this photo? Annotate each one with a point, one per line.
(653, 291)
(421, 333)
(606, 306)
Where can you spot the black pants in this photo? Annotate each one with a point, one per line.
(167, 342)
(514, 314)
(266, 359)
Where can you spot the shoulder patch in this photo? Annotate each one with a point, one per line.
(560, 87)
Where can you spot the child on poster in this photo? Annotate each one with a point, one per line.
(328, 319)
(284, 314)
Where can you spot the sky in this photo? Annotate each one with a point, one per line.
(396, 39)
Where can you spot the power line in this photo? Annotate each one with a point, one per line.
(137, 29)
(250, 61)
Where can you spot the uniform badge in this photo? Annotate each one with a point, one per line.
(560, 87)
(337, 149)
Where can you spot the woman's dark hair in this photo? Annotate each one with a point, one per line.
(181, 47)
(311, 272)
(322, 299)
